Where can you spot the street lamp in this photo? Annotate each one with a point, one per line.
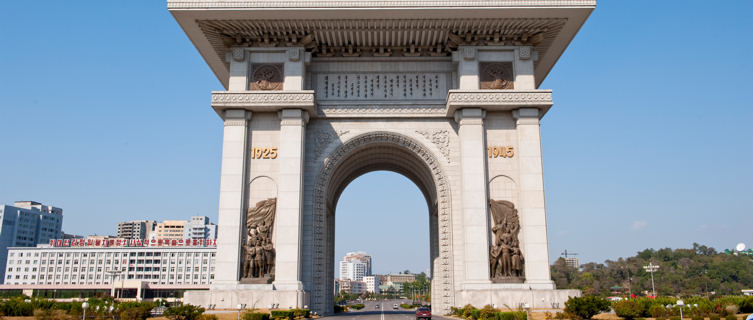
(680, 303)
(240, 306)
(651, 268)
(84, 306)
(528, 308)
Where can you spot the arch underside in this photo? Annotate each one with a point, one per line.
(372, 152)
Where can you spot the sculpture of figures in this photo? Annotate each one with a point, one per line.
(259, 251)
(505, 257)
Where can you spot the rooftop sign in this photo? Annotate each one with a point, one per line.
(132, 243)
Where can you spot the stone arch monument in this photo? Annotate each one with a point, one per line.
(320, 92)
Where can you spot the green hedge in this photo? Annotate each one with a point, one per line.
(248, 315)
(357, 306)
(292, 313)
(487, 313)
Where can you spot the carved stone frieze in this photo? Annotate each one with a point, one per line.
(498, 100)
(266, 76)
(380, 111)
(258, 264)
(322, 138)
(496, 75)
(440, 138)
(263, 101)
(505, 258)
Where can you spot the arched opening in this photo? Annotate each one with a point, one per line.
(389, 152)
(385, 215)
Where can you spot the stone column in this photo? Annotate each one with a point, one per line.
(232, 189)
(531, 206)
(290, 200)
(475, 207)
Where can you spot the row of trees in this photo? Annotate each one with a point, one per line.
(700, 270)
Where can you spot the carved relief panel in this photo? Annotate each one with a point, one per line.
(258, 249)
(266, 76)
(496, 75)
(506, 263)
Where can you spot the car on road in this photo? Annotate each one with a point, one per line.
(376, 306)
(395, 306)
(423, 313)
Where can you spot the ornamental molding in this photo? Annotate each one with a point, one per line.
(499, 100)
(380, 111)
(443, 273)
(440, 138)
(208, 4)
(322, 138)
(263, 101)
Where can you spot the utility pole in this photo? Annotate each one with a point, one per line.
(651, 268)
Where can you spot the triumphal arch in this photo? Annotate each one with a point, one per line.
(321, 92)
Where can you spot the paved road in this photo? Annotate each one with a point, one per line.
(384, 312)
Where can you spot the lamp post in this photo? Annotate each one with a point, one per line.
(651, 268)
(680, 304)
(528, 308)
(113, 273)
(240, 306)
(84, 306)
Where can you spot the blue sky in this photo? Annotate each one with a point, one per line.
(104, 111)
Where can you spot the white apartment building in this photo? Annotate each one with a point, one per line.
(352, 270)
(199, 227)
(62, 264)
(360, 256)
(26, 224)
(372, 283)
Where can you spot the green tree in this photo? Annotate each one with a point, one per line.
(586, 307)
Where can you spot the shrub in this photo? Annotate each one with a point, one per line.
(466, 311)
(262, 316)
(586, 307)
(133, 312)
(406, 306)
(282, 314)
(208, 317)
(674, 318)
(628, 309)
(339, 308)
(714, 316)
(657, 311)
(487, 313)
(514, 315)
(640, 318)
(559, 316)
(301, 313)
(696, 318)
(51, 314)
(661, 318)
(475, 314)
(746, 305)
(184, 312)
(358, 306)
(730, 317)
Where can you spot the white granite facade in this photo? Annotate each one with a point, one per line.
(331, 115)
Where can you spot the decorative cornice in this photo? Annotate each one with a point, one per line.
(240, 4)
(263, 101)
(380, 111)
(498, 100)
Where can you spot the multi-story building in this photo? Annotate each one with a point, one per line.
(355, 265)
(372, 283)
(360, 256)
(572, 262)
(25, 224)
(170, 230)
(103, 264)
(352, 270)
(399, 278)
(200, 228)
(136, 229)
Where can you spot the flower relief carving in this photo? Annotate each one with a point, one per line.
(440, 138)
(322, 138)
(266, 76)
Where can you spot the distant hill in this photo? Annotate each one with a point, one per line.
(696, 271)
